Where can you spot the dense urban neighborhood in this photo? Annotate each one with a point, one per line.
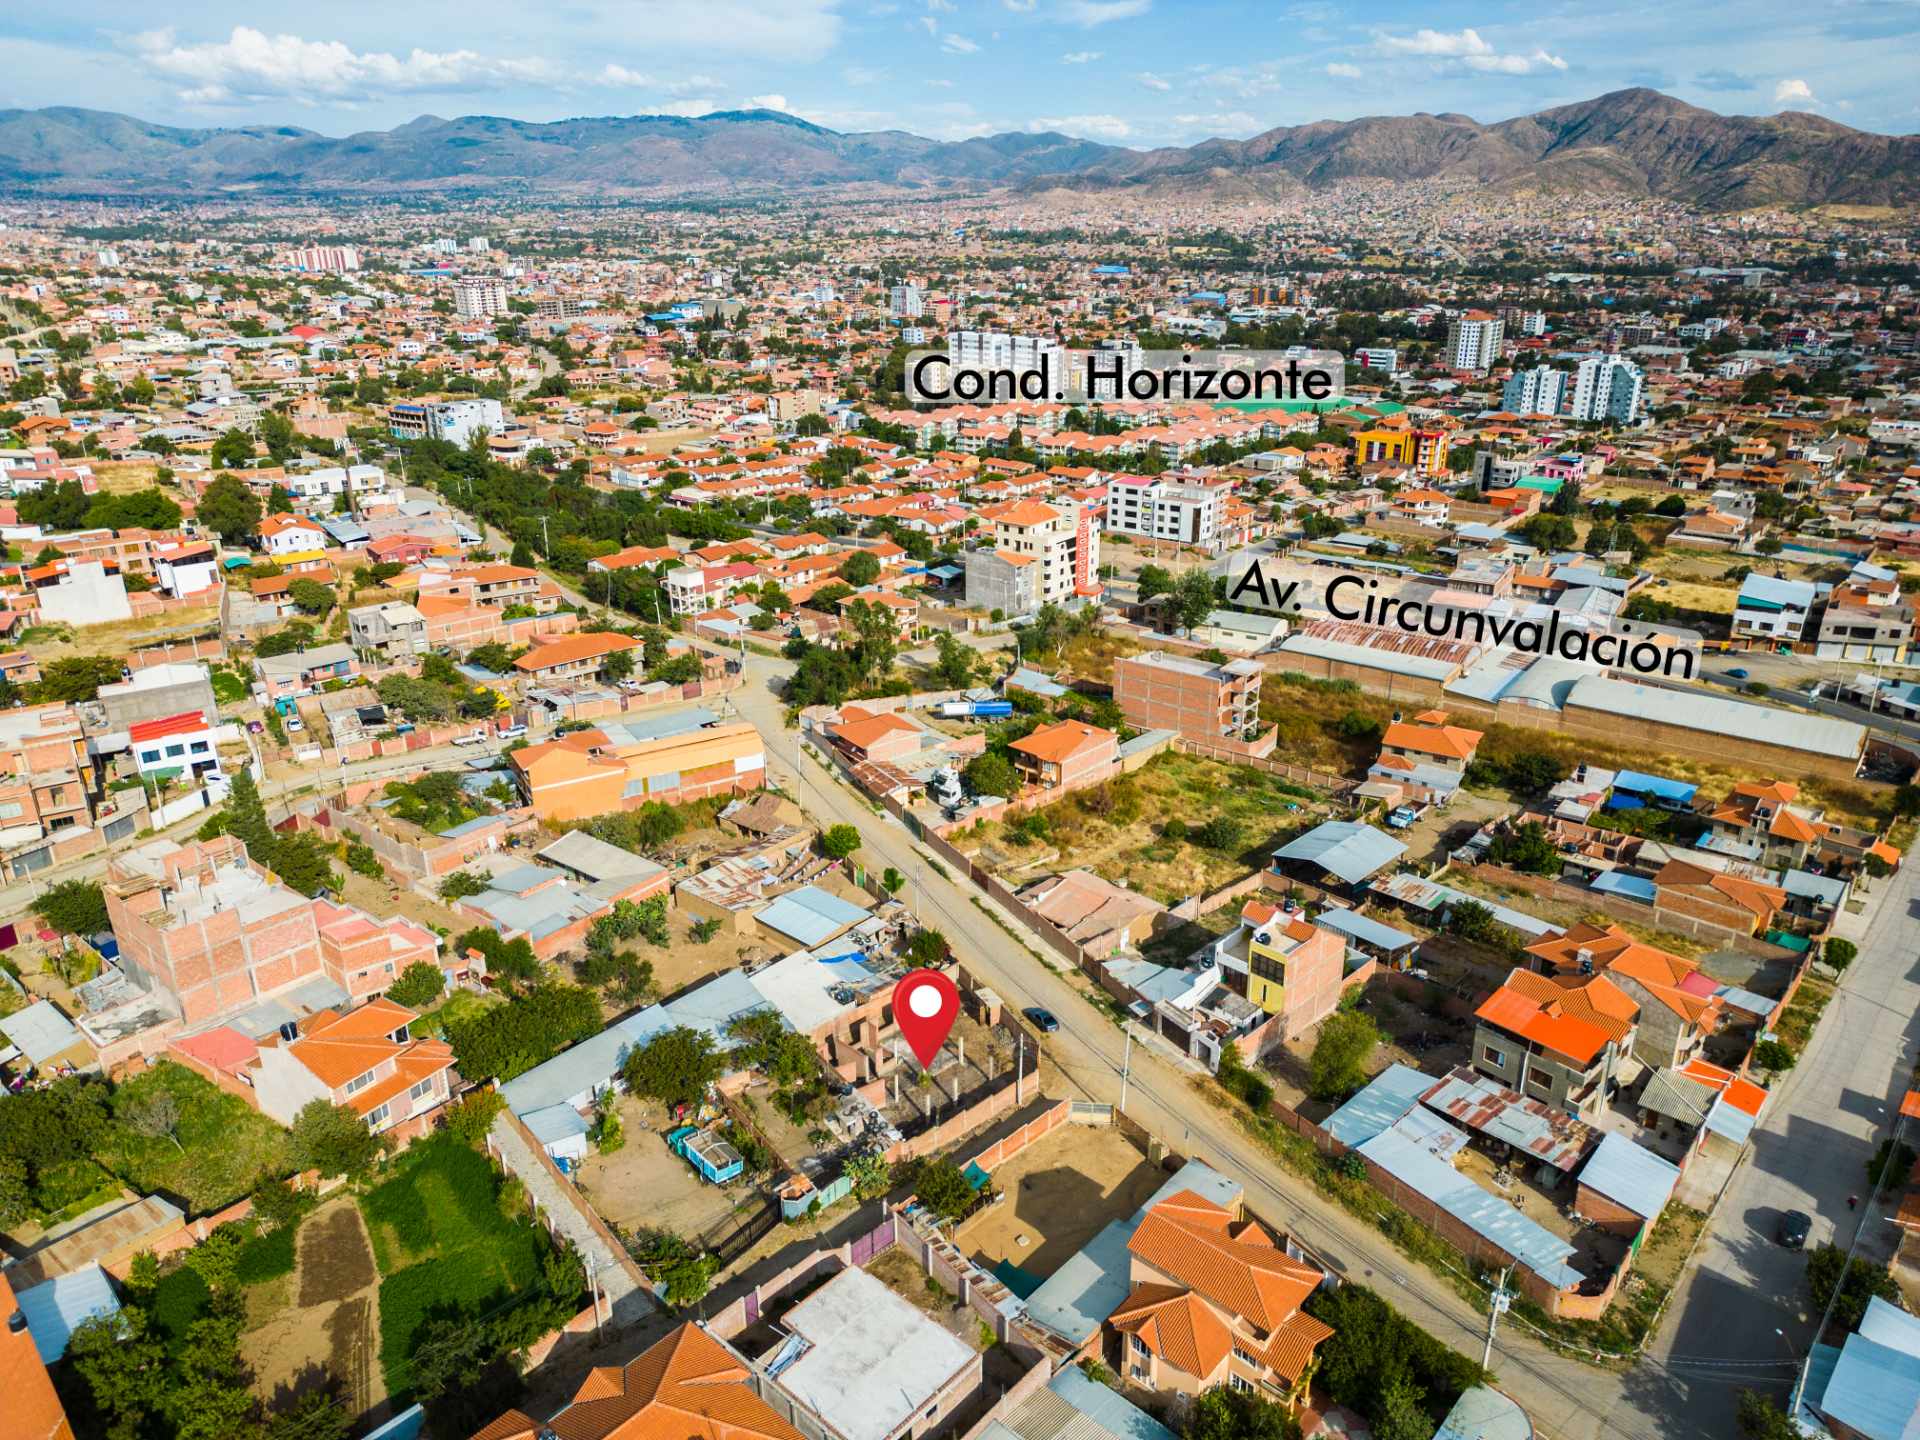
(497, 689)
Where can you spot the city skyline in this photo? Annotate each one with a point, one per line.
(1138, 73)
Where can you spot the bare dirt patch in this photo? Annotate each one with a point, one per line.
(326, 1337)
(1060, 1193)
(645, 1184)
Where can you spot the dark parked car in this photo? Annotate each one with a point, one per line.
(1736, 674)
(1045, 1021)
(1794, 1227)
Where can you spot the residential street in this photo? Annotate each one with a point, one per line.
(1741, 1316)
(1568, 1400)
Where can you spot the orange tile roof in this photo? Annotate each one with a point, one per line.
(1176, 1325)
(1056, 743)
(1452, 741)
(866, 731)
(570, 649)
(684, 1387)
(1193, 1242)
(1597, 1001)
(1548, 1026)
(1290, 1350)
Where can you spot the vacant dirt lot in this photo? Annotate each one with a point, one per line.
(644, 1183)
(1060, 1193)
(328, 1332)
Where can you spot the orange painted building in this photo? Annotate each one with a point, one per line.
(590, 773)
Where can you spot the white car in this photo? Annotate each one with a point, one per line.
(469, 739)
(295, 723)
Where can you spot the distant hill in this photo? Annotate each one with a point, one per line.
(1632, 141)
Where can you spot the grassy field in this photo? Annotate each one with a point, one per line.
(443, 1244)
(225, 1147)
(1116, 829)
(119, 636)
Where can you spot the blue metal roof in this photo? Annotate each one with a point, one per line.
(1106, 1407)
(1483, 1414)
(810, 916)
(554, 1124)
(1630, 887)
(1633, 781)
(56, 1308)
(1489, 1217)
(1875, 1386)
(1627, 1175)
(1364, 928)
(1381, 1102)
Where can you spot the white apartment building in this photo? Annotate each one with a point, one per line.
(1540, 391)
(1473, 340)
(1605, 387)
(1163, 509)
(996, 350)
(479, 297)
(906, 302)
(454, 421)
(1036, 558)
(1378, 359)
(327, 258)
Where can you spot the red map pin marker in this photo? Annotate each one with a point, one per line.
(925, 1005)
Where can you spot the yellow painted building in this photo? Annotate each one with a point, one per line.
(1422, 450)
(1294, 968)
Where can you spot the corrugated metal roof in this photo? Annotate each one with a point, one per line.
(1875, 1386)
(56, 1308)
(1380, 1102)
(1364, 929)
(1484, 1414)
(1493, 1219)
(810, 916)
(1696, 710)
(1345, 848)
(1630, 1176)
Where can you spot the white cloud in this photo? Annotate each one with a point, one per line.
(1097, 127)
(621, 75)
(1152, 81)
(1100, 12)
(957, 44)
(1794, 92)
(1219, 122)
(1020, 7)
(769, 102)
(1342, 71)
(1467, 48)
(1080, 57)
(250, 64)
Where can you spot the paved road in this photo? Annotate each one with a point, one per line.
(1566, 1399)
(1741, 1316)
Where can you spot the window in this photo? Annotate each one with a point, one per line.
(1240, 1383)
(1138, 1346)
(174, 752)
(1268, 968)
(1540, 1080)
(425, 1087)
(359, 1082)
(1244, 1358)
(377, 1118)
(1139, 1372)
(1493, 1056)
(150, 757)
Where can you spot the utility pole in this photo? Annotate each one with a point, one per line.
(593, 1285)
(1498, 1304)
(1020, 1071)
(1126, 1066)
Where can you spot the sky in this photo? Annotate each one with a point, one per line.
(1130, 72)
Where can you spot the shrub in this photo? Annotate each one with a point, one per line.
(265, 1257)
(1339, 1064)
(1858, 1283)
(1839, 954)
(1222, 832)
(419, 986)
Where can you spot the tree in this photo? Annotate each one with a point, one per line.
(155, 1114)
(418, 986)
(954, 662)
(124, 1367)
(231, 448)
(247, 817)
(333, 1140)
(840, 841)
(229, 509)
(943, 1189)
(618, 665)
(859, 569)
(1224, 1413)
(1221, 832)
(1340, 1054)
(1858, 1283)
(991, 774)
(1194, 598)
(1839, 954)
(927, 949)
(304, 863)
(77, 677)
(675, 1067)
(462, 883)
(310, 597)
(1527, 849)
(1760, 1419)
(74, 907)
(1153, 580)
(1772, 1057)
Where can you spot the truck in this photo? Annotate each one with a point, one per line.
(974, 709)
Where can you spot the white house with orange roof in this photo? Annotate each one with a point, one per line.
(367, 1060)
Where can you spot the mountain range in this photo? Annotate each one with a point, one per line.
(1633, 142)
